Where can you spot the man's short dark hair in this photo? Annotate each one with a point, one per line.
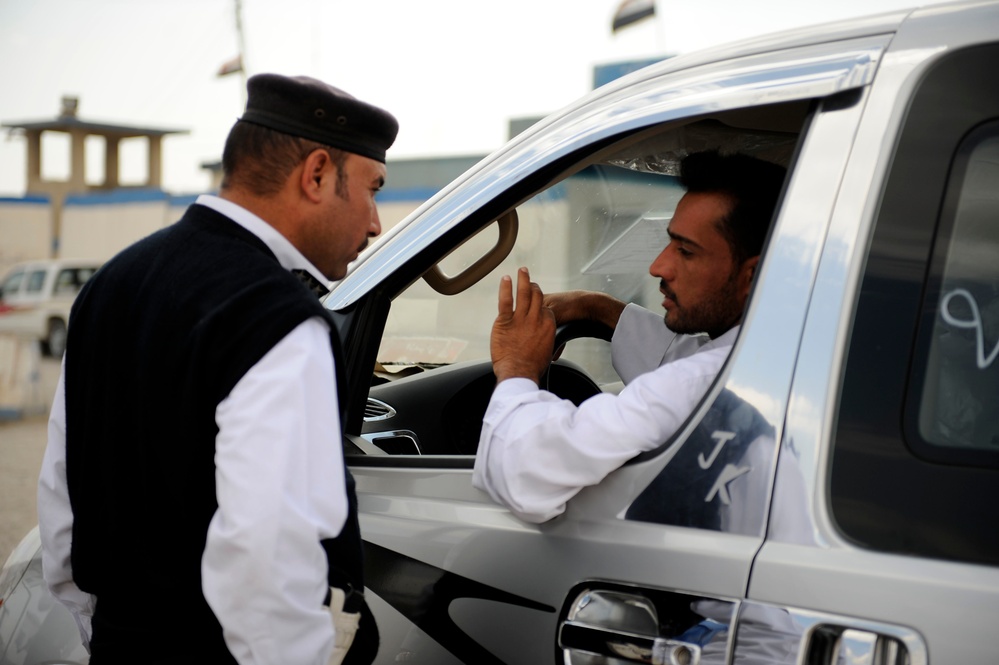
(261, 159)
(753, 184)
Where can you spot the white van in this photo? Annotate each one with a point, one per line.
(36, 296)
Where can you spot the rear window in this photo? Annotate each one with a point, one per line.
(953, 409)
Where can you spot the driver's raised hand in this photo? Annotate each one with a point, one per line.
(522, 336)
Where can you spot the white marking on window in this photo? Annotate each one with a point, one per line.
(722, 438)
(975, 322)
(728, 474)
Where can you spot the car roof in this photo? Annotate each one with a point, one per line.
(56, 262)
(51, 264)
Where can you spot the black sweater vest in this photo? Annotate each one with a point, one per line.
(158, 337)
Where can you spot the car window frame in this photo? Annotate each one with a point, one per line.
(362, 312)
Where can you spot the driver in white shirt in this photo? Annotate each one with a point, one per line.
(537, 451)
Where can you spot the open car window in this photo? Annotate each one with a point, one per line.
(596, 230)
(597, 225)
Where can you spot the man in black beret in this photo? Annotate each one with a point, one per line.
(194, 503)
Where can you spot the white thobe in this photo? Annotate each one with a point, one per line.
(537, 451)
(280, 488)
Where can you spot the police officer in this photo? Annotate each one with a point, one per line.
(193, 502)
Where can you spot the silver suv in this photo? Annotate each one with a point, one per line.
(833, 497)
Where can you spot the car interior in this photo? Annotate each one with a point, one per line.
(594, 220)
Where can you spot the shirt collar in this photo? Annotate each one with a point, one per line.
(287, 254)
(725, 339)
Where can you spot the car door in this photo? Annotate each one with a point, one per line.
(892, 428)
(652, 563)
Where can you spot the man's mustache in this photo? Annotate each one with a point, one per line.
(668, 292)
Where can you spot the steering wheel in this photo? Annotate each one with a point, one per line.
(568, 380)
(571, 330)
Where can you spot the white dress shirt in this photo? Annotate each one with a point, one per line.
(280, 489)
(537, 451)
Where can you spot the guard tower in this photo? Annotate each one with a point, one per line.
(68, 123)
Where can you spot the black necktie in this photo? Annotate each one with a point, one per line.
(311, 282)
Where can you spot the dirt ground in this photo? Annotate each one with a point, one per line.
(22, 445)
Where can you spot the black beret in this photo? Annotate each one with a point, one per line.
(305, 107)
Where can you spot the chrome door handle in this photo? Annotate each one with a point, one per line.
(838, 645)
(619, 626)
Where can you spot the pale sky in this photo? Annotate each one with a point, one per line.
(453, 72)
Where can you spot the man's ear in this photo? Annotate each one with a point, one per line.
(314, 175)
(746, 274)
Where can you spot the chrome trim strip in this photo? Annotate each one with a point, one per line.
(375, 437)
(389, 411)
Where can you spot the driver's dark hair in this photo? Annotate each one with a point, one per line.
(753, 184)
(261, 159)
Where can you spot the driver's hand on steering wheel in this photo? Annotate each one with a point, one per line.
(522, 336)
(580, 305)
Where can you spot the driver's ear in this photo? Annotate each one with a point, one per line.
(746, 273)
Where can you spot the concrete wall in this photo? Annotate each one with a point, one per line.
(97, 226)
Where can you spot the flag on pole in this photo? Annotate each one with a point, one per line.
(231, 66)
(632, 11)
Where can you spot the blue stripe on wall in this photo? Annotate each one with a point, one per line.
(118, 196)
(33, 199)
(183, 200)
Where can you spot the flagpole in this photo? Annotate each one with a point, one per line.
(632, 11)
(242, 50)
